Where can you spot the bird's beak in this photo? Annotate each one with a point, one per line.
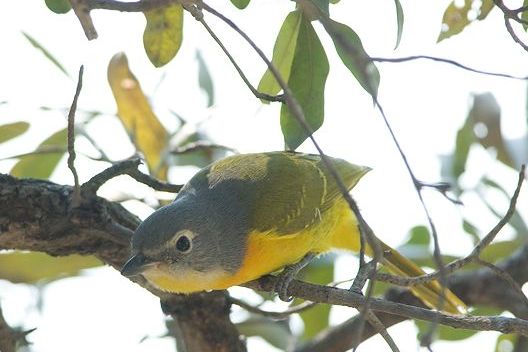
(135, 265)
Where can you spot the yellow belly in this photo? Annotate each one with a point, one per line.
(267, 252)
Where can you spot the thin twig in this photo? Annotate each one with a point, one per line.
(127, 167)
(274, 315)
(503, 274)
(511, 15)
(447, 61)
(120, 168)
(475, 253)
(153, 182)
(380, 328)
(76, 198)
(255, 92)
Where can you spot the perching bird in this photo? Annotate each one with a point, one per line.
(253, 214)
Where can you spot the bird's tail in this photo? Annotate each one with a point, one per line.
(346, 236)
(429, 292)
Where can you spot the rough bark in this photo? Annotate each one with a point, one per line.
(37, 215)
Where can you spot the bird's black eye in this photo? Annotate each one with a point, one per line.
(183, 244)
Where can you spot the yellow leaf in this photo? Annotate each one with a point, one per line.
(163, 34)
(32, 267)
(133, 108)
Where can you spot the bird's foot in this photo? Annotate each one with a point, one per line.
(287, 275)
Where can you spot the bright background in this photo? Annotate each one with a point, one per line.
(426, 103)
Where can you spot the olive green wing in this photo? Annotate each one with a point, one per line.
(292, 190)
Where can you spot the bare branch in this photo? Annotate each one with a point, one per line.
(447, 61)
(76, 199)
(274, 315)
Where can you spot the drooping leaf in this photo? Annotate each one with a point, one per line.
(58, 6)
(283, 54)
(163, 33)
(448, 333)
(350, 49)
(276, 333)
(457, 18)
(204, 79)
(317, 318)
(307, 81)
(486, 113)
(46, 53)
(12, 130)
(33, 267)
(42, 165)
(240, 4)
(145, 130)
(500, 249)
(399, 21)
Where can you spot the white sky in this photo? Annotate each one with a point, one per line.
(425, 102)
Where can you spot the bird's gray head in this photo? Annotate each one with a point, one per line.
(198, 236)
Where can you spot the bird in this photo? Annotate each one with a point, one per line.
(249, 215)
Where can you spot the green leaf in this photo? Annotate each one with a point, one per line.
(317, 318)
(283, 54)
(163, 33)
(399, 21)
(456, 18)
(350, 49)
(205, 80)
(448, 333)
(12, 130)
(470, 229)
(501, 249)
(46, 53)
(276, 333)
(42, 165)
(419, 235)
(58, 6)
(464, 139)
(323, 5)
(241, 4)
(34, 267)
(307, 81)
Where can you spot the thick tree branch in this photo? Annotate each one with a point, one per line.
(36, 215)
